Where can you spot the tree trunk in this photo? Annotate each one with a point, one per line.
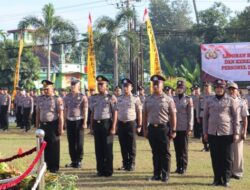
(116, 62)
(49, 62)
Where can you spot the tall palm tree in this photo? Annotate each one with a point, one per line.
(114, 31)
(47, 26)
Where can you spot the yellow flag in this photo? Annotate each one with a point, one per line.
(91, 61)
(16, 74)
(155, 66)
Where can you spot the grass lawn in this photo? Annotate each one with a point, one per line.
(198, 176)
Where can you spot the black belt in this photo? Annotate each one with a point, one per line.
(48, 122)
(101, 120)
(159, 125)
(125, 122)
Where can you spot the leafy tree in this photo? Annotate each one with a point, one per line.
(48, 26)
(29, 67)
(213, 22)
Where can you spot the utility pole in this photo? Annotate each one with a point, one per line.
(196, 12)
(116, 62)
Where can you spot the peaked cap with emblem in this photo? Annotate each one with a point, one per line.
(157, 78)
(46, 83)
(101, 78)
(181, 84)
(74, 81)
(220, 82)
(126, 81)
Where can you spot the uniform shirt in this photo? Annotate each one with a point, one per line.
(28, 102)
(75, 104)
(185, 113)
(159, 108)
(200, 105)
(221, 117)
(248, 100)
(127, 107)
(34, 99)
(90, 101)
(19, 100)
(142, 98)
(195, 99)
(242, 103)
(103, 106)
(48, 107)
(5, 100)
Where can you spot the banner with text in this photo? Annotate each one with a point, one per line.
(228, 61)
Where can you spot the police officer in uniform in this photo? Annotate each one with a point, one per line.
(142, 95)
(33, 94)
(195, 97)
(103, 125)
(50, 119)
(91, 97)
(168, 90)
(237, 169)
(184, 127)
(221, 128)
(76, 113)
(1, 93)
(207, 93)
(160, 113)
(248, 103)
(18, 105)
(5, 106)
(129, 108)
(27, 111)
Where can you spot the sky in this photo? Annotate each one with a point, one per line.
(12, 11)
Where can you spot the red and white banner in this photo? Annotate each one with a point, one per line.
(228, 61)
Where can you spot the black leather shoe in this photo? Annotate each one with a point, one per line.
(182, 171)
(236, 177)
(226, 184)
(131, 168)
(123, 168)
(177, 170)
(164, 179)
(216, 183)
(154, 178)
(77, 165)
(71, 165)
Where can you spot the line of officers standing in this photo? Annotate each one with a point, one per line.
(162, 117)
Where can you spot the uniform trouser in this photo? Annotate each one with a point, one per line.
(159, 141)
(52, 150)
(33, 122)
(19, 116)
(222, 156)
(181, 150)
(197, 133)
(248, 118)
(75, 134)
(204, 142)
(238, 158)
(26, 119)
(89, 118)
(4, 117)
(103, 146)
(127, 139)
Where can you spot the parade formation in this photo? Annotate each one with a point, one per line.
(194, 90)
(221, 118)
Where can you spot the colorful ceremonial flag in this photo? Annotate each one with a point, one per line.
(16, 76)
(155, 66)
(91, 61)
